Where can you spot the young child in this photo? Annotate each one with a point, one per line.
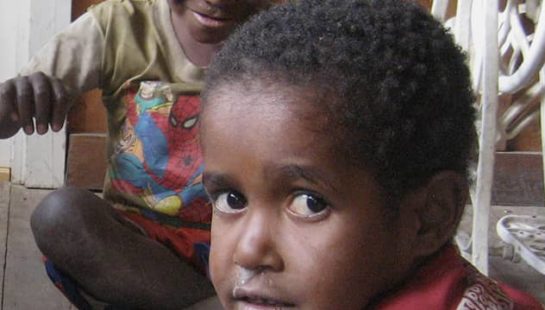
(336, 137)
(148, 57)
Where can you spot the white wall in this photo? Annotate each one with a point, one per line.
(25, 26)
(14, 37)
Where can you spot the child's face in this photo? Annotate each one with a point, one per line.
(211, 21)
(293, 226)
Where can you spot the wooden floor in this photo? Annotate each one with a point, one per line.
(24, 284)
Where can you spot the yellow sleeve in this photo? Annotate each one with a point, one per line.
(74, 55)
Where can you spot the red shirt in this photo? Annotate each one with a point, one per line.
(450, 282)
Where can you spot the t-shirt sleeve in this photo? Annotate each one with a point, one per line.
(74, 56)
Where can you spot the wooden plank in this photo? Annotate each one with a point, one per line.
(5, 173)
(26, 285)
(80, 171)
(528, 140)
(88, 114)
(80, 6)
(518, 179)
(4, 205)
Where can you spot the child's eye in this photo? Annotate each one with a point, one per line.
(229, 202)
(308, 205)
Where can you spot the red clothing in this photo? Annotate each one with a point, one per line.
(449, 282)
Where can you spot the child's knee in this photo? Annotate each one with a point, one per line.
(62, 209)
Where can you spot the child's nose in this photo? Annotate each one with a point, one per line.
(256, 247)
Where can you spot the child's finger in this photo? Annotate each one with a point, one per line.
(8, 102)
(42, 101)
(61, 104)
(9, 116)
(25, 104)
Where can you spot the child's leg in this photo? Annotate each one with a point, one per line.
(82, 235)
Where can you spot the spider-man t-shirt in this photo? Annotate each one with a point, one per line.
(156, 164)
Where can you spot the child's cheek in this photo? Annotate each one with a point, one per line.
(220, 262)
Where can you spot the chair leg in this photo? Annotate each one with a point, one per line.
(487, 139)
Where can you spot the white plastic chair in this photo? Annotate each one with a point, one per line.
(505, 58)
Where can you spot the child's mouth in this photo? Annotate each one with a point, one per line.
(210, 21)
(256, 302)
(249, 292)
(253, 300)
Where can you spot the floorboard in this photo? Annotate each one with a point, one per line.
(26, 285)
(4, 207)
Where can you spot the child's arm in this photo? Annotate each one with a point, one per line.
(74, 56)
(67, 66)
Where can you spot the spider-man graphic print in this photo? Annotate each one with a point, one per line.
(157, 160)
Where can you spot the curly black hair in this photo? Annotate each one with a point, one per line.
(404, 104)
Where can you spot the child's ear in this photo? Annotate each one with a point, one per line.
(441, 204)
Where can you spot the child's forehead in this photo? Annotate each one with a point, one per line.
(258, 90)
(267, 101)
(283, 134)
(274, 104)
(290, 120)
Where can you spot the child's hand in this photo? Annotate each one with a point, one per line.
(37, 96)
